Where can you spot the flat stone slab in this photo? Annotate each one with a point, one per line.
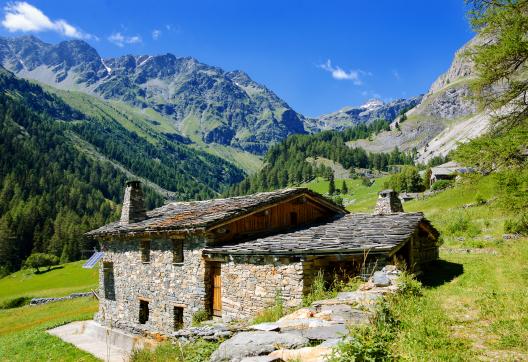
(323, 333)
(344, 313)
(107, 344)
(303, 323)
(257, 343)
(265, 327)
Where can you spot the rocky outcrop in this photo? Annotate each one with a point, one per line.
(325, 322)
(366, 113)
(446, 116)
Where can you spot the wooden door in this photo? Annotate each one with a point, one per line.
(216, 273)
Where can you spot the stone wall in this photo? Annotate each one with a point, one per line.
(250, 285)
(163, 284)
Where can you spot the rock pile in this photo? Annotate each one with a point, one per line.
(325, 322)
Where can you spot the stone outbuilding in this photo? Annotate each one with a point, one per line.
(230, 258)
(448, 171)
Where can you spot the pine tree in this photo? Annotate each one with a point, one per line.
(331, 185)
(344, 188)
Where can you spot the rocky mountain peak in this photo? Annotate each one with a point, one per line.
(372, 104)
(219, 107)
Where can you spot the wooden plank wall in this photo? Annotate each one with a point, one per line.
(277, 217)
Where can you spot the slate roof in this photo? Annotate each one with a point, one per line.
(194, 215)
(449, 168)
(348, 234)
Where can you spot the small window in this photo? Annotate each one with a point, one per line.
(145, 251)
(143, 311)
(178, 318)
(108, 280)
(293, 218)
(177, 251)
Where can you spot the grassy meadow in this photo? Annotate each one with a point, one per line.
(23, 334)
(474, 302)
(58, 282)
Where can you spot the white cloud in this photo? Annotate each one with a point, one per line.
(120, 40)
(21, 16)
(340, 74)
(156, 33)
(396, 75)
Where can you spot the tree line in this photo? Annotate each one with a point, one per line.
(286, 162)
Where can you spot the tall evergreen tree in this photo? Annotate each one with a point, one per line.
(331, 185)
(344, 188)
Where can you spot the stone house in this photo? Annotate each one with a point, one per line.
(233, 257)
(447, 171)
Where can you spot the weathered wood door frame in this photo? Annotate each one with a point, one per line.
(216, 289)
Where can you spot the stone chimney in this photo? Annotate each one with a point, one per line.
(133, 204)
(388, 203)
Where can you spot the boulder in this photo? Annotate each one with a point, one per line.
(299, 314)
(380, 279)
(255, 343)
(306, 354)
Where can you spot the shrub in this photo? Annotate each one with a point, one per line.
(459, 223)
(41, 260)
(197, 351)
(317, 291)
(323, 289)
(409, 286)
(15, 302)
(200, 316)
(441, 185)
(518, 225)
(272, 313)
(338, 200)
(369, 343)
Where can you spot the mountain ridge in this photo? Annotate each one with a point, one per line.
(227, 108)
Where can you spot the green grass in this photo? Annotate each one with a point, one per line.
(474, 305)
(198, 351)
(23, 334)
(360, 198)
(69, 278)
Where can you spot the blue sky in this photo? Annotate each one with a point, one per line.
(316, 55)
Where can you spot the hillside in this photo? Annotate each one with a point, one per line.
(445, 116)
(63, 172)
(291, 162)
(198, 101)
(60, 281)
(23, 329)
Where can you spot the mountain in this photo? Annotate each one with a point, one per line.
(445, 116)
(203, 103)
(367, 113)
(62, 171)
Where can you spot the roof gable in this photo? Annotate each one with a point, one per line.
(203, 215)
